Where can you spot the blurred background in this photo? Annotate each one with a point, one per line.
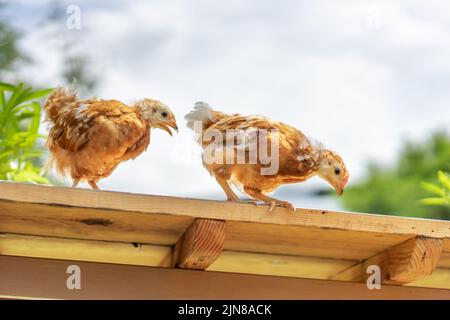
(369, 79)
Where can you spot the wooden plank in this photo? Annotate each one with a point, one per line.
(121, 217)
(90, 223)
(410, 261)
(219, 210)
(101, 215)
(307, 241)
(444, 262)
(161, 229)
(42, 278)
(440, 279)
(278, 265)
(200, 245)
(81, 250)
(413, 260)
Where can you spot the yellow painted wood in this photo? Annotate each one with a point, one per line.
(82, 250)
(439, 279)
(278, 265)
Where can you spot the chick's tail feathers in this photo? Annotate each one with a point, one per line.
(59, 101)
(202, 115)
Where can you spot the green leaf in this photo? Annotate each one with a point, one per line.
(434, 201)
(5, 155)
(15, 96)
(33, 95)
(23, 107)
(28, 176)
(20, 115)
(444, 179)
(2, 100)
(6, 86)
(433, 188)
(25, 116)
(37, 117)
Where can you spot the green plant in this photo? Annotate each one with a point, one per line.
(441, 191)
(395, 189)
(20, 115)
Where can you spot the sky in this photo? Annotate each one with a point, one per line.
(360, 76)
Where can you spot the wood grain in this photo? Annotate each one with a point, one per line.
(278, 265)
(220, 210)
(407, 262)
(90, 223)
(200, 245)
(307, 241)
(444, 262)
(299, 240)
(82, 250)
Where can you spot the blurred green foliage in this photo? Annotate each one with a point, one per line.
(76, 65)
(20, 115)
(9, 52)
(397, 190)
(441, 191)
(21, 149)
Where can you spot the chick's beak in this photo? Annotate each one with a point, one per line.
(340, 188)
(171, 124)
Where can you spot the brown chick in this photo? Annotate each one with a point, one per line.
(298, 158)
(89, 138)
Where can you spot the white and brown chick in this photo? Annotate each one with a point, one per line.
(299, 158)
(89, 138)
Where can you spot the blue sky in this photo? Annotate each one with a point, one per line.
(360, 76)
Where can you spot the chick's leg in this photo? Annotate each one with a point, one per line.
(228, 191)
(258, 195)
(93, 185)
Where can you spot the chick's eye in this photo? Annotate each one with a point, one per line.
(337, 171)
(164, 114)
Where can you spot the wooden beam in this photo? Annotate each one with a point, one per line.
(84, 250)
(409, 261)
(46, 279)
(62, 198)
(278, 265)
(200, 245)
(122, 218)
(440, 279)
(80, 222)
(308, 241)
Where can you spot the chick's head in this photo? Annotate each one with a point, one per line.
(332, 169)
(158, 114)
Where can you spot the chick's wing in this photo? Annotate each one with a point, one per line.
(103, 124)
